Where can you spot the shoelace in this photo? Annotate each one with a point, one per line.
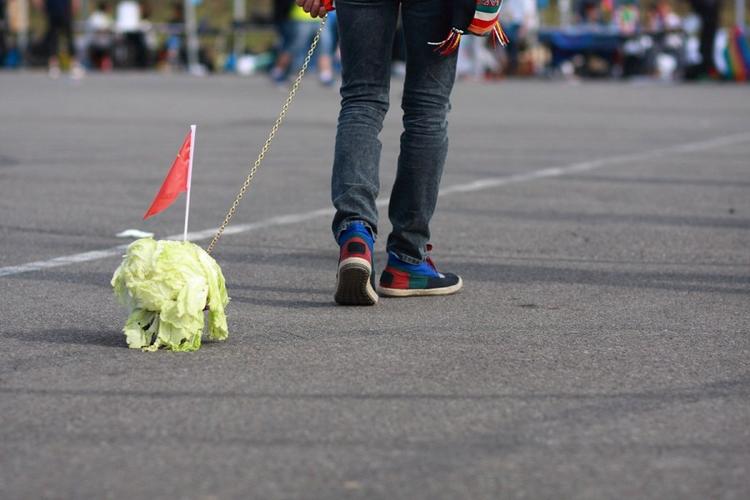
(429, 260)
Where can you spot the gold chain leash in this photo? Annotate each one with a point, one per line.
(271, 135)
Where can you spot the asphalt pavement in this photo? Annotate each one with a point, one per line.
(600, 348)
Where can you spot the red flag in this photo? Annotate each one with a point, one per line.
(175, 182)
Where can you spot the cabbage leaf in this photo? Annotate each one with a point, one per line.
(166, 286)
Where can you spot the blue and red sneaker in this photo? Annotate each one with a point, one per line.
(401, 279)
(354, 280)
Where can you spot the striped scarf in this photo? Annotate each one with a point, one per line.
(477, 17)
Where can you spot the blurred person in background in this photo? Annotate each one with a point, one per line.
(521, 20)
(330, 45)
(475, 60)
(60, 14)
(661, 17)
(302, 29)
(627, 17)
(100, 37)
(3, 31)
(284, 33)
(665, 28)
(130, 26)
(638, 50)
(16, 29)
(589, 12)
(398, 55)
(709, 12)
(174, 45)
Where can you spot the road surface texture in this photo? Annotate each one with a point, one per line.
(599, 349)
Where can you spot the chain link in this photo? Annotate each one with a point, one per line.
(271, 135)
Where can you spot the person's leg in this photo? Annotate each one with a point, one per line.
(303, 36)
(284, 57)
(424, 142)
(366, 31)
(3, 50)
(52, 38)
(366, 36)
(67, 27)
(708, 36)
(424, 145)
(325, 53)
(76, 69)
(708, 11)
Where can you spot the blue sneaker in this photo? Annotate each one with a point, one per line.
(400, 279)
(354, 280)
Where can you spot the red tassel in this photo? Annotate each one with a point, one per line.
(450, 44)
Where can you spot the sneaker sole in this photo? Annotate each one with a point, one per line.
(353, 286)
(420, 292)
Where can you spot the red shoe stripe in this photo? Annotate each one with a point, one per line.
(400, 278)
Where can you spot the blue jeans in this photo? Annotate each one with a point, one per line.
(366, 30)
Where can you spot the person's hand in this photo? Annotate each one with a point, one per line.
(314, 7)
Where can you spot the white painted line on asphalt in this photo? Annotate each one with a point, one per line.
(280, 220)
(62, 261)
(478, 185)
(594, 164)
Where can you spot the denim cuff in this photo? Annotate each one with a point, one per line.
(406, 258)
(345, 225)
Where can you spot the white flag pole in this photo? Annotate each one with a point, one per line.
(189, 179)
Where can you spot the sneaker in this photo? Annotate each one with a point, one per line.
(326, 78)
(77, 72)
(354, 280)
(278, 76)
(54, 71)
(401, 279)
